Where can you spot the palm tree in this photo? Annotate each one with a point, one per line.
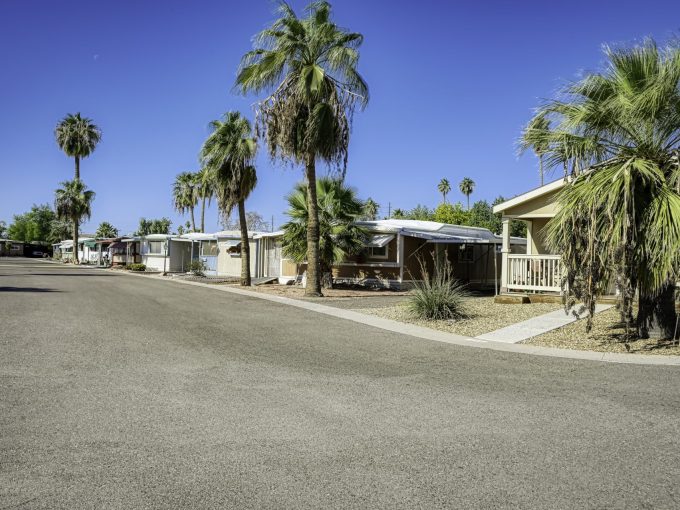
(533, 138)
(73, 202)
(105, 229)
(619, 130)
(444, 187)
(467, 186)
(205, 191)
(228, 154)
(339, 208)
(78, 137)
(371, 208)
(310, 67)
(185, 195)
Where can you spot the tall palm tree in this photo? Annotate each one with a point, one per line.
(73, 202)
(78, 137)
(444, 187)
(339, 208)
(371, 208)
(310, 67)
(106, 229)
(205, 191)
(467, 186)
(185, 195)
(533, 138)
(619, 130)
(228, 154)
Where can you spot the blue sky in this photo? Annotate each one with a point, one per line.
(451, 84)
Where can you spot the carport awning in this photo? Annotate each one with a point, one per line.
(379, 240)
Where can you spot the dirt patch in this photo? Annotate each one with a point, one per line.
(485, 315)
(297, 292)
(606, 336)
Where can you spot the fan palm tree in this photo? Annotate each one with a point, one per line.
(532, 138)
(105, 229)
(618, 218)
(339, 208)
(371, 208)
(206, 191)
(467, 186)
(73, 202)
(444, 187)
(310, 67)
(78, 137)
(185, 195)
(228, 154)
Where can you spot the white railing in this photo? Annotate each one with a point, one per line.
(534, 272)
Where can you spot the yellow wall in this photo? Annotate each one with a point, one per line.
(543, 206)
(538, 245)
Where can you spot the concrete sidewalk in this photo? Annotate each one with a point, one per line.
(535, 326)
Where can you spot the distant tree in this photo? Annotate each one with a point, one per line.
(444, 187)
(420, 212)
(78, 137)
(33, 225)
(534, 137)
(371, 208)
(398, 214)
(205, 191)
(481, 215)
(73, 202)
(3, 230)
(154, 226)
(228, 153)
(59, 231)
(180, 230)
(338, 208)
(308, 67)
(453, 214)
(467, 186)
(185, 195)
(254, 220)
(105, 229)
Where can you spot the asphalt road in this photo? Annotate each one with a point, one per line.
(122, 392)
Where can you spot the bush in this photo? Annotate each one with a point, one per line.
(438, 297)
(197, 268)
(136, 267)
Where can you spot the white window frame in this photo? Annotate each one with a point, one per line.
(150, 252)
(371, 255)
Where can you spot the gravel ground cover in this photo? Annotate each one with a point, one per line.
(297, 292)
(485, 316)
(606, 336)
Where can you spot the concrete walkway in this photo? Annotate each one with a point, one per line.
(535, 326)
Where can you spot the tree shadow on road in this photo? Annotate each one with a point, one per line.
(27, 289)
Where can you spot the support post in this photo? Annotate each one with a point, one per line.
(505, 250)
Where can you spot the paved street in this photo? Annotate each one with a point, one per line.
(124, 392)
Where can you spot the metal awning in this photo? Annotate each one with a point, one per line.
(379, 240)
(90, 244)
(231, 243)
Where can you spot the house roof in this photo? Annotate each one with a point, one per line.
(435, 232)
(236, 234)
(530, 195)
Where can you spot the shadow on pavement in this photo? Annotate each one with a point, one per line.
(26, 289)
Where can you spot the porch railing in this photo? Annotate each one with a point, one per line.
(534, 272)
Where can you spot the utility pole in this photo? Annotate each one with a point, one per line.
(389, 210)
(272, 223)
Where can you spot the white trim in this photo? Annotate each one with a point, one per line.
(370, 264)
(530, 195)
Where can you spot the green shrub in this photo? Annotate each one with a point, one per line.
(136, 267)
(197, 267)
(438, 297)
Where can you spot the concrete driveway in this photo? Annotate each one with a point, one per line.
(122, 392)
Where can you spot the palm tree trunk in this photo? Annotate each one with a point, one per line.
(245, 245)
(656, 315)
(468, 202)
(540, 168)
(77, 177)
(313, 288)
(203, 214)
(75, 241)
(193, 220)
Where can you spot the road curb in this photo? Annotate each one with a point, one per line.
(434, 335)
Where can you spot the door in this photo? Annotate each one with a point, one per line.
(274, 258)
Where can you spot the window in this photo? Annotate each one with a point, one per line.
(208, 248)
(375, 252)
(156, 248)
